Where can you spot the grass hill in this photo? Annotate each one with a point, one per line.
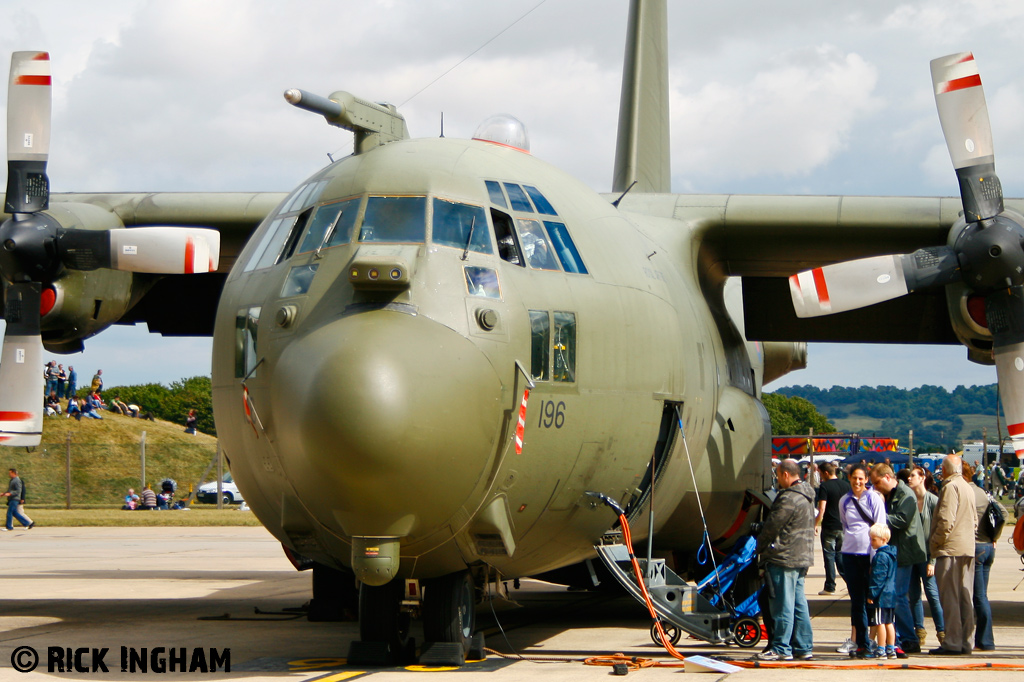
(105, 459)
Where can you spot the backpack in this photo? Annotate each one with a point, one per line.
(22, 500)
(992, 521)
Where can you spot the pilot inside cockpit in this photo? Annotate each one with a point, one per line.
(535, 246)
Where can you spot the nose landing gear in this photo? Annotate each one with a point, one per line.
(449, 619)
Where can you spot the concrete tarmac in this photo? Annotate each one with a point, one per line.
(232, 588)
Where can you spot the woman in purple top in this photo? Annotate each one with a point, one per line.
(859, 509)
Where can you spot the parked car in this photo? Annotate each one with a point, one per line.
(208, 492)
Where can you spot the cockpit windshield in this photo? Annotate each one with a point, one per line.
(394, 219)
(461, 226)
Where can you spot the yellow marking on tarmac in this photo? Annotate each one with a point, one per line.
(338, 677)
(315, 663)
(431, 669)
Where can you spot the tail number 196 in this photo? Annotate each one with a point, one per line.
(551, 414)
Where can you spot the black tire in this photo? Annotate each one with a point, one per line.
(673, 633)
(746, 632)
(449, 609)
(228, 499)
(380, 616)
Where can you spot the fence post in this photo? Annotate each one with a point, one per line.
(67, 470)
(220, 478)
(142, 458)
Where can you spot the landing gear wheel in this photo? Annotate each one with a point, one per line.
(449, 609)
(673, 633)
(746, 632)
(380, 616)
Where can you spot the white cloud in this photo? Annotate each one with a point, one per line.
(809, 97)
(791, 118)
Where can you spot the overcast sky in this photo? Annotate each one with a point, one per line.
(793, 97)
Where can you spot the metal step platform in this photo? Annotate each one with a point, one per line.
(676, 601)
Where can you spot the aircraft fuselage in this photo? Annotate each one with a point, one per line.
(383, 321)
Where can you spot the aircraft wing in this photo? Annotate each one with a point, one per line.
(234, 215)
(765, 239)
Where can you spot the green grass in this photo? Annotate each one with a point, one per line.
(197, 516)
(105, 460)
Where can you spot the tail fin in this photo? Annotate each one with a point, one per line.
(642, 147)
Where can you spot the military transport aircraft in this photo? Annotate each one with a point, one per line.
(429, 352)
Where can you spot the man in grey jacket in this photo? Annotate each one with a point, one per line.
(786, 547)
(952, 544)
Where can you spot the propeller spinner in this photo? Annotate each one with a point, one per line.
(35, 248)
(986, 252)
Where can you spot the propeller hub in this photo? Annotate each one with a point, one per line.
(29, 251)
(990, 253)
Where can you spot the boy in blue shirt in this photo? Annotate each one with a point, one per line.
(882, 592)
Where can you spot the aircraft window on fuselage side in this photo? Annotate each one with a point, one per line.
(270, 245)
(565, 248)
(520, 202)
(394, 219)
(564, 347)
(482, 282)
(460, 226)
(246, 326)
(494, 191)
(326, 219)
(294, 234)
(535, 245)
(540, 201)
(303, 198)
(299, 280)
(540, 344)
(505, 234)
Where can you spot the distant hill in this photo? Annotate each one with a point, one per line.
(105, 459)
(940, 419)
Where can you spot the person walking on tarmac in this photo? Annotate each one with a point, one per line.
(786, 547)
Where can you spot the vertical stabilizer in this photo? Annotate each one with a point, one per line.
(642, 148)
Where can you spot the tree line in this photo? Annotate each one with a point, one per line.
(171, 403)
(933, 412)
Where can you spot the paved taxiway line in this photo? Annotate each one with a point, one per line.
(200, 587)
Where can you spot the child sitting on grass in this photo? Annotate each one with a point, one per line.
(882, 593)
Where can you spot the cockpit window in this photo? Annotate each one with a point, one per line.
(508, 247)
(394, 219)
(331, 225)
(494, 191)
(535, 245)
(540, 201)
(270, 248)
(461, 226)
(520, 202)
(565, 248)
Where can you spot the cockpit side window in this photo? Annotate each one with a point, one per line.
(508, 246)
(540, 201)
(520, 202)
(394, 219)
(535, 245)
(461, 226)
(276, 230)
(331, 225)
(565, 248)
(495, 193)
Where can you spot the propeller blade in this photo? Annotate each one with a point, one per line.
(28, 132)
(1004, 313)
(859, 283)
(157, 250)
(963, 113)
(21, 360)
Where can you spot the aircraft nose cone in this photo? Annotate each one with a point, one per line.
(395, 415)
